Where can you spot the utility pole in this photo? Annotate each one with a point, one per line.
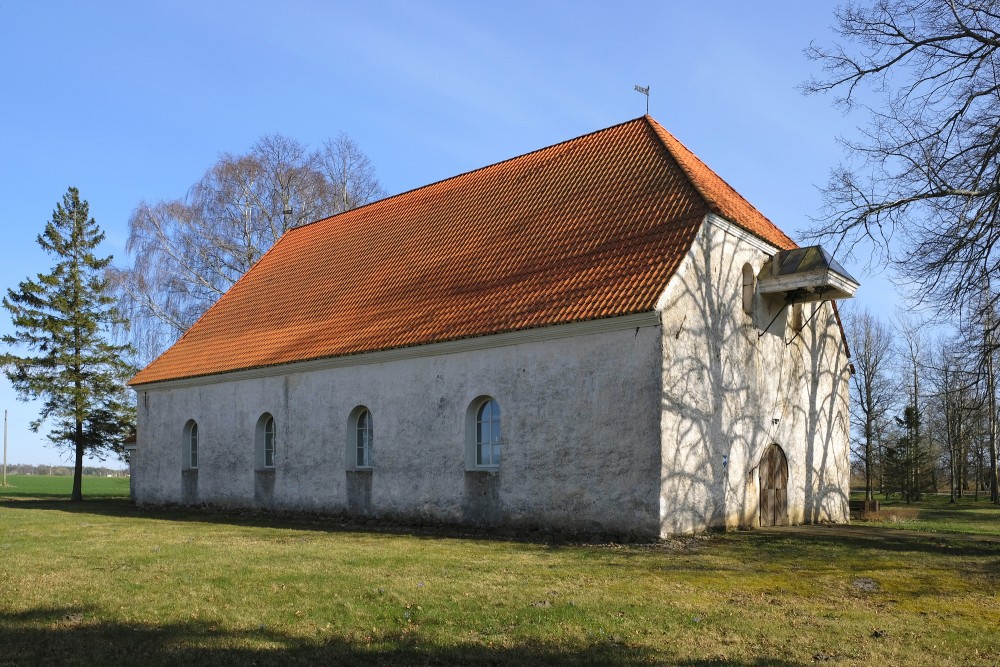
(5, 447)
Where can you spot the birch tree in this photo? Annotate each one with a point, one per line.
(187, 252)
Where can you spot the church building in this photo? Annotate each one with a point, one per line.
(598, 337)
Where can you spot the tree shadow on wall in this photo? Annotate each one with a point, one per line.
(732, 386)
(826, 420)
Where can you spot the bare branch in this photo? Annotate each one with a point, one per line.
(921, 187)
(188, 252)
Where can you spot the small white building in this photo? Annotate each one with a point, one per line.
(600, 336)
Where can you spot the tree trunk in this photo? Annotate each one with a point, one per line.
(991, 389)
(952, 440)
(962, 466)
(869, 431)
(77, 495)
(979, 474)
(915, 443)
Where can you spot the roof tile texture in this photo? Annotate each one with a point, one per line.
(590, 228)
(721, 198)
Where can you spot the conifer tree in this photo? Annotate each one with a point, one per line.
(62, 321)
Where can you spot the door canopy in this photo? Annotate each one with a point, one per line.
(808, 274)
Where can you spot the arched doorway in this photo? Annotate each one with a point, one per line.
(773, 487)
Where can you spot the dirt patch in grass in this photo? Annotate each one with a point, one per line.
(891, 515)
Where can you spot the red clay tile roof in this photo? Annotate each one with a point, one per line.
(721, 198)
(590, 228)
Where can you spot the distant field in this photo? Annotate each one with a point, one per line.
(44, 486)
(104, 582)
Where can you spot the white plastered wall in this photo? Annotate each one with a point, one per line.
(732, 385)
(579, 417)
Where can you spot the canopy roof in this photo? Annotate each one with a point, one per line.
(806, 274)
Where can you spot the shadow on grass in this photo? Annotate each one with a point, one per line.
(255, 518)
(74, 636)
(860, 539)
(788, 542)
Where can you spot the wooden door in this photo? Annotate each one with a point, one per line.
(773, 487)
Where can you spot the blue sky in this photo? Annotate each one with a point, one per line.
(133, 101)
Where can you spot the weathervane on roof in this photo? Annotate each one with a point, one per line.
(644, 91)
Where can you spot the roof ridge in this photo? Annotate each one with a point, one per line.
(470, 172)
(666, 141)
(671, 143)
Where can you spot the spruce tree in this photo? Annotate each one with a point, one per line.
(63, 321)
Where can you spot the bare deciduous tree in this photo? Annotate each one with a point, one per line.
(350, 171)
(925, 170)
(872, 387)
(953, 404)
(912, 463)
(982, 343)
(189, 251)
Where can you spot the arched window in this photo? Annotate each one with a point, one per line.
(269, 443)
(749, 284)
(364, 433)
(265, 441)
(190, 448)
(483, 435)
(488, 434)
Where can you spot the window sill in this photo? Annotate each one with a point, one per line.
(264, 471)
(491, 470)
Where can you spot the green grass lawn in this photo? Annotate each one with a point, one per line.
(103, 582)
(56, 486)
(935, 513)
